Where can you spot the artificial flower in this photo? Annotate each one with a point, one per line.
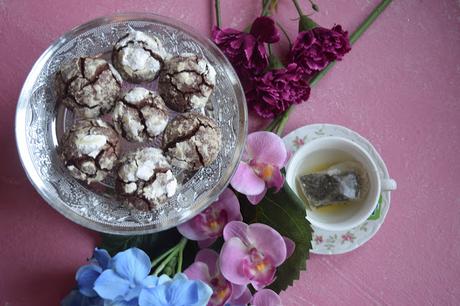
(273, 92)
(251, 253)
(206, 268)
(125, 279)
(266, 297)
(260, 168)
(179, 291)
(246, 51)
(207, 226)
(87, 274)
(76, 298)
(313, 50)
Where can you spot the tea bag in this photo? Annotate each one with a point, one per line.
(342, 182)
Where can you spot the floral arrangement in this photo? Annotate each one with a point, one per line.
(251, 243)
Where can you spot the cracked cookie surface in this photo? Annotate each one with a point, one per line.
(144, 178)
(139, 57)
(89, 86)
(192, 141)
(90, 150)
(186, 82)
(140, 115)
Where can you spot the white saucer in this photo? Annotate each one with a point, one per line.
(331, 243)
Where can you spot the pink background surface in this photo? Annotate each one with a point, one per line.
(399, 87)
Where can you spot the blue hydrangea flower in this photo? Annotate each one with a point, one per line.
(75, 298)
(123, 282)
(87, 274)
(180, 291)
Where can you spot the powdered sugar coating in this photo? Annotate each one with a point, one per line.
(89, 150)
(140, 115)
(144, 178)
(138, 56)
(88, 85)
(192, 141)
(186, 82)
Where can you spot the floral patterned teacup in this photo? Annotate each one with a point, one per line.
(318, 155)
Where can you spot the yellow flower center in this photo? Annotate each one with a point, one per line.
(260, 267)
(267, 172)
(214, 225)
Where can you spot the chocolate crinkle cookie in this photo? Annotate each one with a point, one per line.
(144, 179)
(186, 82)
(192, 141)
(90, 150)
(140, 114)
(89, 86)
(138, 56)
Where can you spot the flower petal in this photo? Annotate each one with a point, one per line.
(290, 246)
(206, 243)
(236, 229)
(86, 276)
(198, 271)
(210, 258)
(246, 181)
(185, 292)
(268, 241)
(110, 286)
(154, 296)
(265, 30)
(266, 297)
(266, 147)
(276, 180)
(229, 202)
(240, 295)
(132, 264)
(102, 257)
(254, 200)
(232, 254)
(190, 231)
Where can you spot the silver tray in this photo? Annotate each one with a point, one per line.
(40, 122)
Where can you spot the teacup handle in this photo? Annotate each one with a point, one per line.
(389, 185)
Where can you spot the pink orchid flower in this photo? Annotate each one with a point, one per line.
(207, 226)
(264, 156)
(266, 297)
(252, 252)
(206, 269)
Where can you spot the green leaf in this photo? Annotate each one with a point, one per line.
(285, 212)
(153, 244)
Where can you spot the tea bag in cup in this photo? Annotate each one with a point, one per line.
(344, 182)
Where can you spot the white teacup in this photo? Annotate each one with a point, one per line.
(313, 156)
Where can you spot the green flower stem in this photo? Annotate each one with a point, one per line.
(218, 19)
(265, 7)
(163, 256)
(176, 251)
(285, 34)
(280, 121)
(180, 260)
(298, 8)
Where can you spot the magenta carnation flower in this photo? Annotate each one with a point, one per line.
(246, 51)
(276, 90)
(313, 50)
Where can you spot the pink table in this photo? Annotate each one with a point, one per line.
(399, 87)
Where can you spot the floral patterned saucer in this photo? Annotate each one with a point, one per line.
(331, 243)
